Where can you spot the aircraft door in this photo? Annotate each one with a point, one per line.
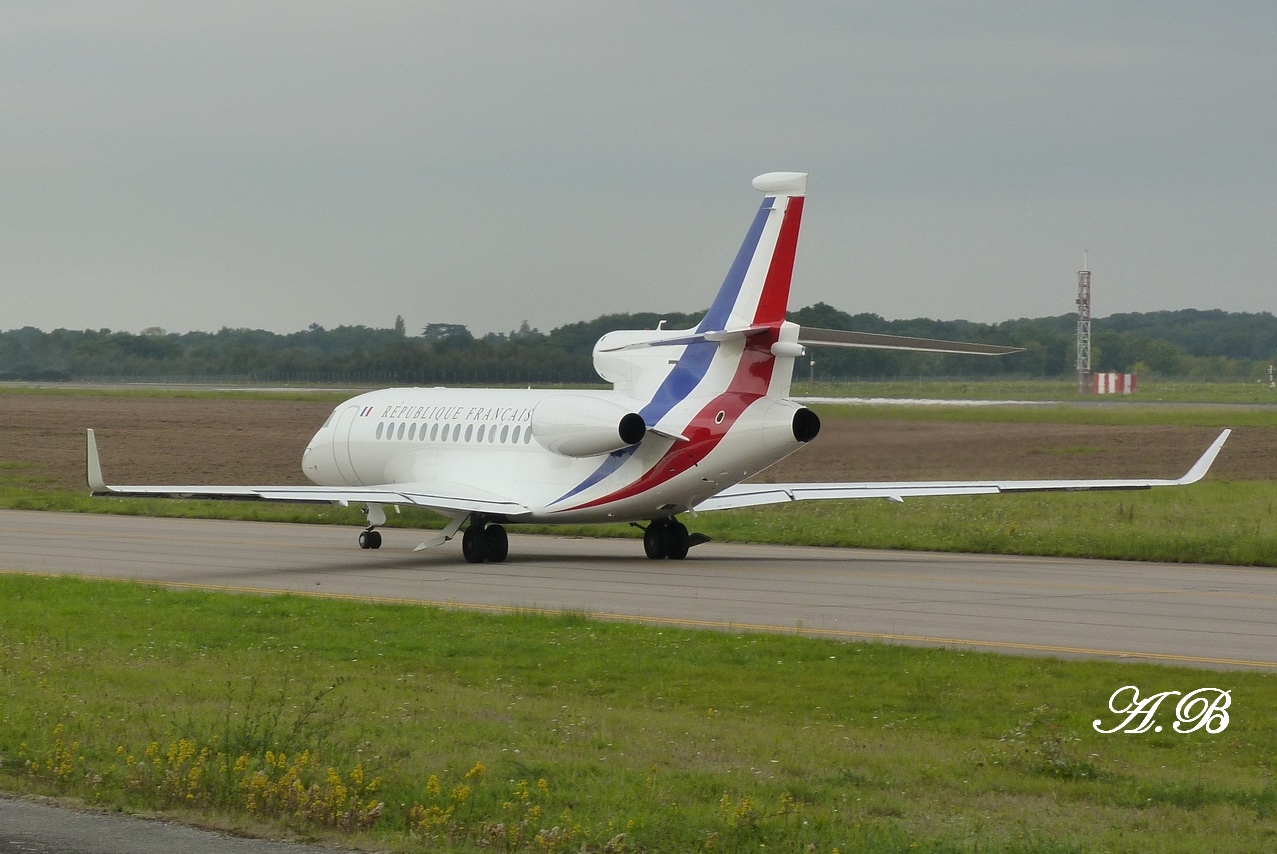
(341, 445)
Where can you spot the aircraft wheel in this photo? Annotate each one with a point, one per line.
(376, 540)
(496, 544)
(472, 544)
(677, 539)
(369, 539)
(656, 540)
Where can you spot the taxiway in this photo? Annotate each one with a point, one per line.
(1206, 616)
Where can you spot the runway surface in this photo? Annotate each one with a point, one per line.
(1204, 616)
(29, 827)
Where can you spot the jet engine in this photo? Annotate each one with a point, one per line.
(575, 425)
(786, 423)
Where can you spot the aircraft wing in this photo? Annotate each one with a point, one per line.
(447, 498)
(753, 494)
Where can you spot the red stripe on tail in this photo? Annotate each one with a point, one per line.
(775, 297)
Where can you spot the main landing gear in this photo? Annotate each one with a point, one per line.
(369, 539)
(482, 541)
(669, 538)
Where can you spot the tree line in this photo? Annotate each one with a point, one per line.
(1189, 344)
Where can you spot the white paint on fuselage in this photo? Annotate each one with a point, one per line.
(347, 452)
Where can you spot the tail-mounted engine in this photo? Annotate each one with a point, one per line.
(575, 425)
(787, 423)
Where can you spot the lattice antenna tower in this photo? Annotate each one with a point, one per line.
(1083, 326)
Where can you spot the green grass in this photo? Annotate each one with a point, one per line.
(1116, 414)
(329, 392)
(680, 740)
(1213, 522)
(1060, 390)
(1150, 390)
(193, 391)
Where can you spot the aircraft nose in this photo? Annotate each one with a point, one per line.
(311, 457)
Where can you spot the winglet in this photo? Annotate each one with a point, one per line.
(94, 468)
(1203, 464)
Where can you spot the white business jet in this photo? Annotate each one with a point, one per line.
(691, 415)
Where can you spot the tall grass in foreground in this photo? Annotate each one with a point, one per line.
(407, 728)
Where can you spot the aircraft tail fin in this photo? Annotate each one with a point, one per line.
(756, 290)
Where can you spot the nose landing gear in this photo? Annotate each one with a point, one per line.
(370, 537)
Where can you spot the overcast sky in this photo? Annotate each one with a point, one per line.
(273, 165)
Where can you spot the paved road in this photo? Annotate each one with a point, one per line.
(27, 827)
(1198, 615)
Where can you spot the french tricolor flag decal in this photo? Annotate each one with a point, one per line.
(367, 410)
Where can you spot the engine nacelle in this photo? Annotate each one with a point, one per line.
(786, 424)
(576, 425)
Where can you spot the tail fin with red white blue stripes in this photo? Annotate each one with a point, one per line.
(756, 290)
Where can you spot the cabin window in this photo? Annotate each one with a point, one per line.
(401, 429)
(505, 430)
(479, 437)
(434, 432)
(381, 428)
(469, 431)
(412, 431)
(444, 436)
(492, 434)
(718, 419)
(514, 437)
(527, 435)
(456, 432)
(390, 430)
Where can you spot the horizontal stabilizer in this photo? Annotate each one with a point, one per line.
(754, 494)
(813, 337)
(689, 338)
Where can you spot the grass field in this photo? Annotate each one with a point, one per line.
(1064, 390)
(1152, 391)
(1214, 522)
(404, 728)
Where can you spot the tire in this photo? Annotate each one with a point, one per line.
(676, 537)
(656, 541)
(496, 544)
(472, 544)
(374, 540)
(365, 539)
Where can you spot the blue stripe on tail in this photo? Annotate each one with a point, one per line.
(715, 319)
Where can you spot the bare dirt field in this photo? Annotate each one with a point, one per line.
(205, 440)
